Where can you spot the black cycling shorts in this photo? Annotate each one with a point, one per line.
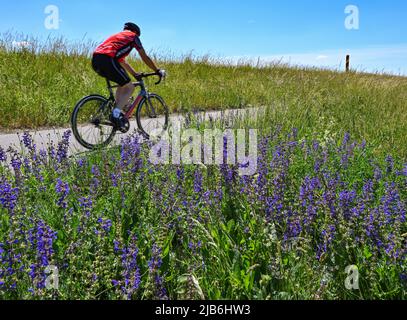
(110, 68)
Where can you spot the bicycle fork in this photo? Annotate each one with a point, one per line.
(149, 106)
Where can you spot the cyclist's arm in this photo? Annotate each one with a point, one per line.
(128, 68)
(146, 59)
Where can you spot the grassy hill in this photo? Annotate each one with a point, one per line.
(41, 84)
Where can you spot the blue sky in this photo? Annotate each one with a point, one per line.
(309, 32)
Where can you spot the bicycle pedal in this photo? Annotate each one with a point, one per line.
(126, 127)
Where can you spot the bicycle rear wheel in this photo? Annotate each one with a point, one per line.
(90, 122)
(152, 116)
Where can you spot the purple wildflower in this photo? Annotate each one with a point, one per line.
(29, 142)
(8, 195)
(3, 155)
(62, 189)
(154, 265)
(131, 272)
(105, 225)
(346, 199)
(390, 164)
(63, 147)
(86, 204)
(42, 241)
(198, 182)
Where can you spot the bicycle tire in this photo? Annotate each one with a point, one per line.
(139, 118)
(103, 103)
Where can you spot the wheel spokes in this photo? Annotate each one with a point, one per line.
(92, 126)
(154, 117)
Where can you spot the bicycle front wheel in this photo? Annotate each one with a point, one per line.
(90, 122)
(152, 116)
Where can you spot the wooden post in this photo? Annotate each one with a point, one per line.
(347, 63)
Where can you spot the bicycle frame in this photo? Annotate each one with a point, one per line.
(143, 93)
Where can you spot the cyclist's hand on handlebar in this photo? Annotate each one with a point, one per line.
(162, 73)
(137, 75)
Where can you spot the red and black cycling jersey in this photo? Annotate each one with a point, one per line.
(120, 45)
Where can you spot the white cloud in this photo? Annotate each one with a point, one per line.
(322, 57)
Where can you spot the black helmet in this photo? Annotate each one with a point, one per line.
(132, 27)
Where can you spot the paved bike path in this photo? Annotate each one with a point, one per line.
(44, 137)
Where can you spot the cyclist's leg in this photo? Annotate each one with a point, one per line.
(111, 69)
(100, 65)
(123, 95)
(122, 78)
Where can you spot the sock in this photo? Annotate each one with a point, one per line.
(117, 113)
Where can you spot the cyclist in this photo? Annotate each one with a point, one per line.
(109, 61)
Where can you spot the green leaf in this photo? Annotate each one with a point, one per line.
(367, 253)
(231, 225)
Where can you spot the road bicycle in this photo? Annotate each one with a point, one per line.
(90, 119)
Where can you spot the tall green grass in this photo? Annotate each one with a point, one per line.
(41, 82)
